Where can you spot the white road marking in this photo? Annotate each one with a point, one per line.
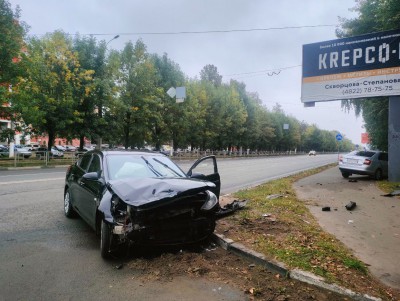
(31, 181)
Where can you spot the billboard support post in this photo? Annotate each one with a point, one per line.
(394, 139)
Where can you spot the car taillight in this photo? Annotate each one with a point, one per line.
(367, 162)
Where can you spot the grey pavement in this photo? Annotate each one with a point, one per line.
(371, 230)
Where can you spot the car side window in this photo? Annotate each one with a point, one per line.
(84, 162)
(95, 165)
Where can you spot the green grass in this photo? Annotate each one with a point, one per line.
(301, 243)
(387, 186)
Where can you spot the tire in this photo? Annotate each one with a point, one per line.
(345, 175)
(68, 210)
(105, 240)
(378, 174)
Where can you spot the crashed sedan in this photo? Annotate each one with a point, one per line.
(142, 198)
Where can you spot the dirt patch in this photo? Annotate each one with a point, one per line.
(216, 264)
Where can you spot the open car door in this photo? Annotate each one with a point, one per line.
(206, 169)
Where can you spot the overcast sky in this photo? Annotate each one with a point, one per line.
(247, 56)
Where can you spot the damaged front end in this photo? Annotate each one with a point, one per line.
(160, 212)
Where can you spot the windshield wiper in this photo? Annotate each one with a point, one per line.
(151, 167)
(167, 166)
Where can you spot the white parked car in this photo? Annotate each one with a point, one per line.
(22, 150)
(371, 163)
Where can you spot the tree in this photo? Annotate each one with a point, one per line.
(210, 74)
(165, 125)
(373, 16)
(93, 99)
(44, 98)
(12, 33)
(139, 94)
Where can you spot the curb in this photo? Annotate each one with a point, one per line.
(277, 267)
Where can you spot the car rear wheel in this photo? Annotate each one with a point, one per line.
(105, 240)
(378, 174)
(345, 175)
(68, 210)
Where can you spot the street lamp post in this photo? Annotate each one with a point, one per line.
(100, 109)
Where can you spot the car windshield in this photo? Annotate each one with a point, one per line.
(134, 166)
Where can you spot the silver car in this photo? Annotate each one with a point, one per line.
(371, 163)
(22, 151)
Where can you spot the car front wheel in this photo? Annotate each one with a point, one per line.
(68, 210)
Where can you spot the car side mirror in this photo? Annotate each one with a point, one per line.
(197, 175)
(92, 176)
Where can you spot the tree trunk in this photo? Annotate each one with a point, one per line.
(127, 127)
(52, 136)
(81, 142)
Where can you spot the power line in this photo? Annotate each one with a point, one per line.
(269, 72)
(205, 31)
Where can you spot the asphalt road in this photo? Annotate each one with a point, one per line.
(45, 256)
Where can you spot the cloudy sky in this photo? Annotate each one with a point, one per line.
(260, 43)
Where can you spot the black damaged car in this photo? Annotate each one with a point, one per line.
(143, 198)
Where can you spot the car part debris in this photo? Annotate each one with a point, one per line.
(353, 180)
(230, 208)
(351, 205)
(393, 193)
(274, 196)
(270, 217)
(327, 208)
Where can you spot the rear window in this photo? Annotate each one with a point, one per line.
(365, 154)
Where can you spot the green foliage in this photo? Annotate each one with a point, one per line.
(139, 94)
(210, 74)
(12, 32)
(75, 88)
(373, 16)
(44, 98)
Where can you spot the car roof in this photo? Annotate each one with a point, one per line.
(126, 152)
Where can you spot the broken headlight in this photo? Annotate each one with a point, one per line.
(118, 209)
(211, 201)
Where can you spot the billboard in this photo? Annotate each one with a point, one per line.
(364, 138)
(356, 67)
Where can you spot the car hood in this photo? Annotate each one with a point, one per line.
(148, 192)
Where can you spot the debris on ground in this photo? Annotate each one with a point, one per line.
(393, 193)
(230, 208)
(270, 217)
(326, 208)
(353, 180)
(351, 205)
(274, 196)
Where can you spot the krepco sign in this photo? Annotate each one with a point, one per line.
(362, 66)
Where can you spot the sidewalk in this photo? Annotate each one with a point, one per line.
(371, 230)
